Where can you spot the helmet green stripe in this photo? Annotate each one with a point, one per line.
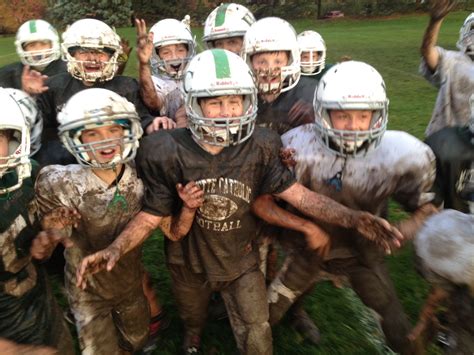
(222, 63)
(220, 16)
(32, 24)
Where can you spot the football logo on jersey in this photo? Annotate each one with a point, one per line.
(222, 199)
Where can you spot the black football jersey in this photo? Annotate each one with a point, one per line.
(454, 182)
(25, 300)
(290, 109)
(219, 243)
(10, 75)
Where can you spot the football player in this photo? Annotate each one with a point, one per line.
(347, 155)
(233, 162)
(91, 49)
(37, 45)
(285, 98)
(452, 72)
(454, 188)
(226, 26)
(163, 54)
(312, 54)
(29, 311)
(101, 129)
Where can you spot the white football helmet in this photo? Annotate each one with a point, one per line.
(91, 34)
(466, 36)
(273, 34)
(218, 72)
(12, 119)
(37, 30)
(311, 42)
(96, 107)
(351, 86)
(225, 21)
(166, 32)
(32, 115)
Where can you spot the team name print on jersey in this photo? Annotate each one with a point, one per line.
(219, 204)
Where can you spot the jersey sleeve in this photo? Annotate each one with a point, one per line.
(415, 182)
(277, 177)
(155, 167)
(445, 63)
(440, 185)
(48, 186)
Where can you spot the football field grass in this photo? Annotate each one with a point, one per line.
(392, 46)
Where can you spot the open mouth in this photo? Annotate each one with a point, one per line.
(92, 67)
(175, 67)
(108, 153)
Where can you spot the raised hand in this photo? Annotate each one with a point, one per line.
(440, 8)
(191, 194)
(100, 261)
(32, 81)
(379, 231)
(144, 42)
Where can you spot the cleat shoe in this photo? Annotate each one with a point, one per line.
(192, 344)
(157, 325)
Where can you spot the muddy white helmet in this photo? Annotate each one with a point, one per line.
(351, 85)
(272, 34)
(12, 119)
(32, 115)
(466, 36)
(225, 21)
(32, 31)
(91, 34)
(312, 42)
(96, 107)
(218, 72)
(166, 32)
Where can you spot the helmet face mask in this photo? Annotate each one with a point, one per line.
(93, 109)
(351, 86)
(171, 32)
(271, 36)
(91, 49)
(18, 135)
(32, 116)
(312, 45)
(45, 37)
(226, 21)
(220, 74)
(466, 37)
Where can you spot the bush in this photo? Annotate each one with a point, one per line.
(115, 13)
(13, 13)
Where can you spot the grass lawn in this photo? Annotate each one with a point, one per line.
(392, 47)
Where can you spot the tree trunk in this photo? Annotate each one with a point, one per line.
(318, 4)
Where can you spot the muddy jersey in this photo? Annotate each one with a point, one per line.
(219, 243)
(10, 75)
(454, 77)
(290, 109)
(454, 184)
(26, 302)
(103, 216)
(170, 90)
(401, 167)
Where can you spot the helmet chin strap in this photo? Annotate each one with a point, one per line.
(119, 200)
